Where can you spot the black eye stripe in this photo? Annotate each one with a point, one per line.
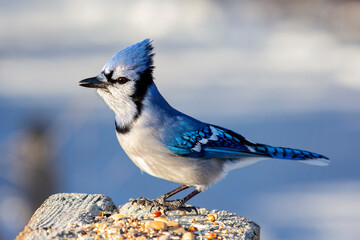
(109, 75)
(120, 80)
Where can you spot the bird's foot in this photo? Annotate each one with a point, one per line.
(161, 204)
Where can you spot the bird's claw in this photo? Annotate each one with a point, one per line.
(161, 204)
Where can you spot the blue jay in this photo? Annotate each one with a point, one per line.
(167, 143)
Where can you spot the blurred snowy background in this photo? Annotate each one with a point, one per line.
(280, 72)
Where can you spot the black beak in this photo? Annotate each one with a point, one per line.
(92, 82)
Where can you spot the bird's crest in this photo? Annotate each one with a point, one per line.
(137, 57)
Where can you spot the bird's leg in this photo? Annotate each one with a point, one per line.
(179, 204)
(191, 195)
(163, 198)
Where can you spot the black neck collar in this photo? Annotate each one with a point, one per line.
(141, 86)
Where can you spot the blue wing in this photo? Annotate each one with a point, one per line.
(210, 142)
(217, 142)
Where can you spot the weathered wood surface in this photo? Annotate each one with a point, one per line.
(76, 216)
(54, 217)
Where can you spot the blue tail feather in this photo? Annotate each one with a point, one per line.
(290, 154)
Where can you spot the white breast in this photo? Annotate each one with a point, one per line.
(144, 147)
(143, 165)
(155, 159)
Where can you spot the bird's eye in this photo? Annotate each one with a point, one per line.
(122, 80)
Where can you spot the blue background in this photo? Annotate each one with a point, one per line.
(278, 73)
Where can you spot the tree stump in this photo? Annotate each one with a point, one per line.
(94, 216)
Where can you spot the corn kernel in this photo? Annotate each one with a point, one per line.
(156, 214)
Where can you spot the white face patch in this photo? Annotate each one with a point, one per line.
(118, 98)
(125, 97)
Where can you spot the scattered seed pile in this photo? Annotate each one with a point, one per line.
(136, 222)
(94, 216)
